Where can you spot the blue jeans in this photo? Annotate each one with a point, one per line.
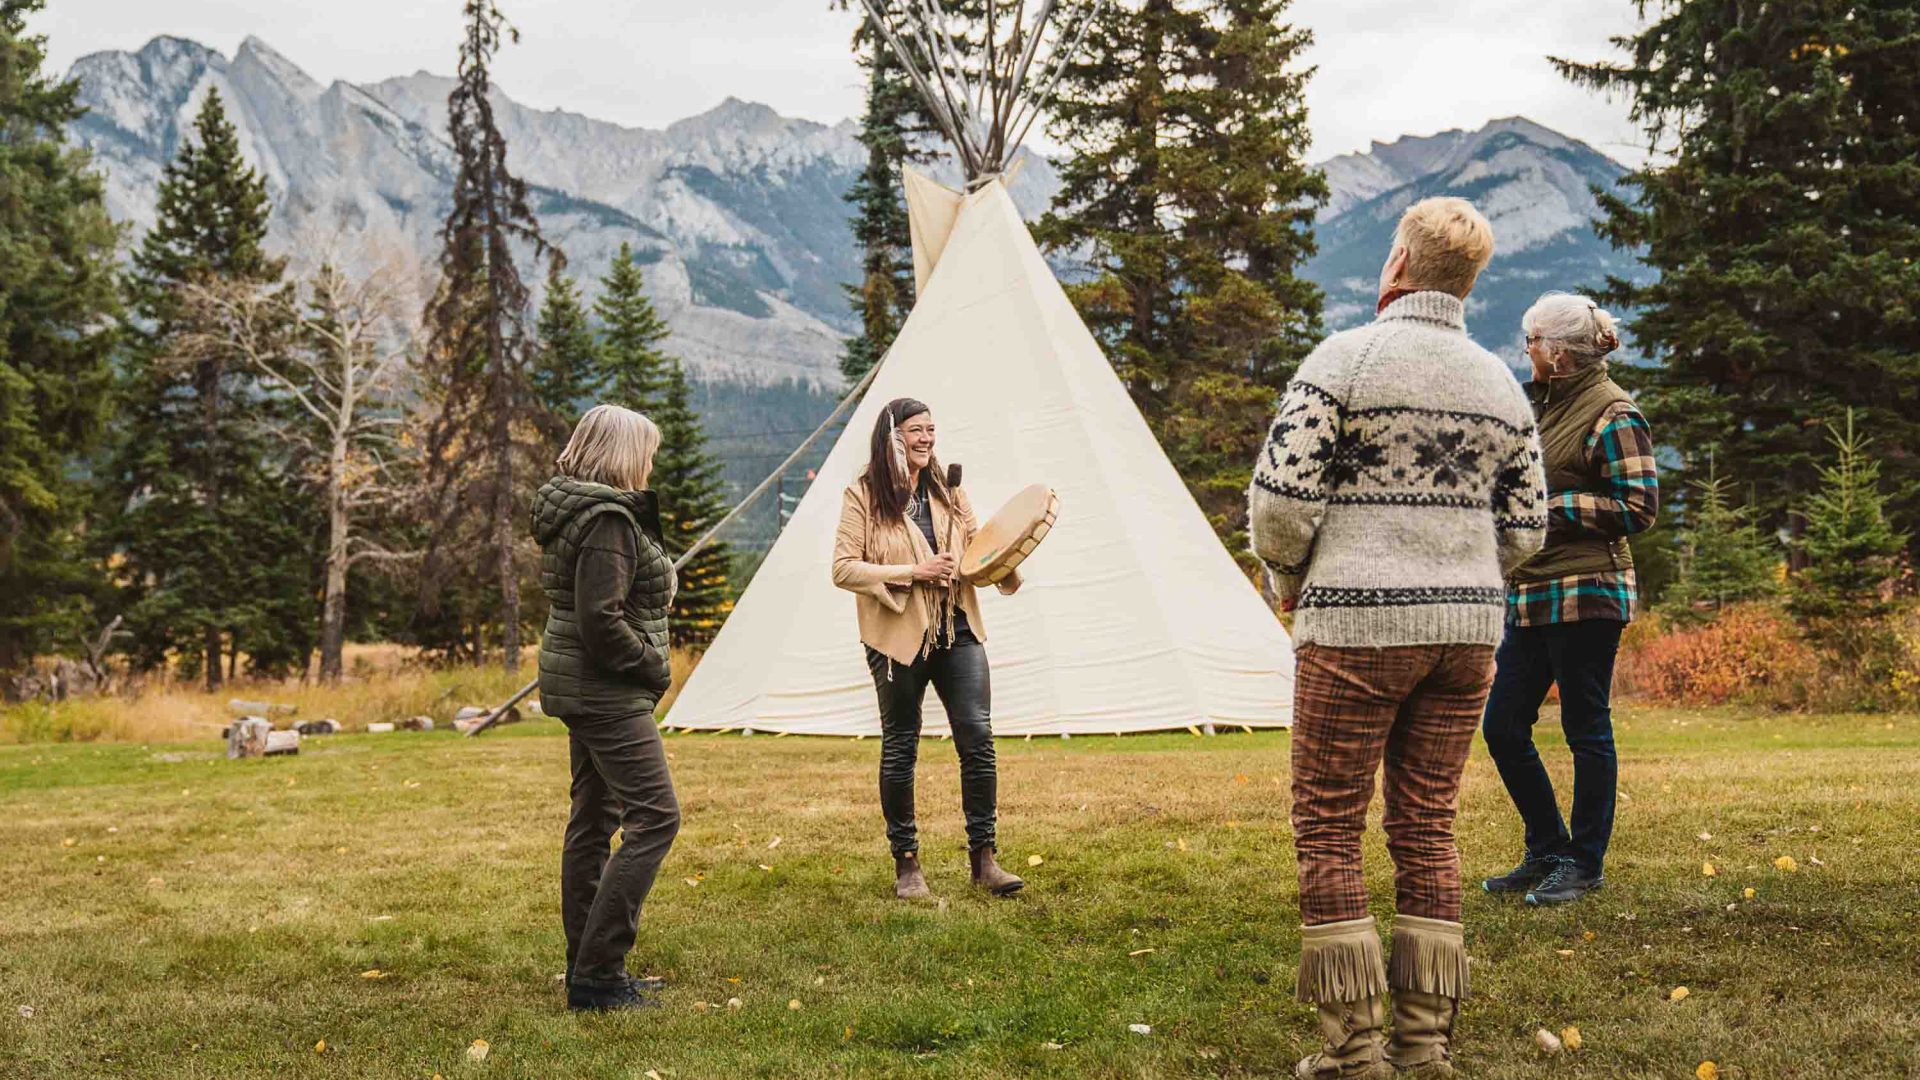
(1579, 657)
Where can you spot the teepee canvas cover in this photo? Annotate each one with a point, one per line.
(1133, 616)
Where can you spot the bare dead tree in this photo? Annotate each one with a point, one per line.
(336, 348)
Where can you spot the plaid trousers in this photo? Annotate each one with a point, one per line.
(1416, 707)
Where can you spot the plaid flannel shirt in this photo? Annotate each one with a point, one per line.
(1624, 500)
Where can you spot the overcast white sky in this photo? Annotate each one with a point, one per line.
(1387, 67)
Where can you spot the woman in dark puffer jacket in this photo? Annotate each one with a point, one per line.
(603, 666)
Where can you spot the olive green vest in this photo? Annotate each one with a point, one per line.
(1567, 409)
(571, 685)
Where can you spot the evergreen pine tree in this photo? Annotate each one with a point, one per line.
(631, 332)
(1782, 211)
(889, 130)
(58, 304)
(1187, 123)
(1853, 551)
(1724, 556)
(567, 375)
(687, 478)
(484, 451)
(213, 538)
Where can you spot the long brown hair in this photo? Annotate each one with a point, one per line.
(887, 474)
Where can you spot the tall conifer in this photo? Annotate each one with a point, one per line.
(484, 451)
(631, 331)
(692, 500)
(211, 535)
(567, 375)
(58, 304)
(1781, 208)
(1187, 190)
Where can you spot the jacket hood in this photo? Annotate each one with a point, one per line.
(563, 498)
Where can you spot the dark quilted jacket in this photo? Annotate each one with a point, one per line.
(573, 683)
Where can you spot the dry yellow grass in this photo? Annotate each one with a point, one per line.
(384, 683)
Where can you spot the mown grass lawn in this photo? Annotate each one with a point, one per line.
(168, 913)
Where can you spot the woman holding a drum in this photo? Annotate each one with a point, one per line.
(904, 523)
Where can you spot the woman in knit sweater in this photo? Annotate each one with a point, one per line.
(1399, 483)
(1567, 606)
(903, 528)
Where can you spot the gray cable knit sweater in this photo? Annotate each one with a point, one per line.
(1399, 484)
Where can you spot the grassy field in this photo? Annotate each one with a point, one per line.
(167, 913)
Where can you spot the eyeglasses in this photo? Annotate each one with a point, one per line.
(1531, 338)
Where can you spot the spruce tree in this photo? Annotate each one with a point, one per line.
(211, 537)
(890, 129)
(1852, 556)
(1188, 189)
(631, 331)
(567, 375)
(58, 309)
(1725, 558)
(1781, 207)
(692, 499)
(484, 452)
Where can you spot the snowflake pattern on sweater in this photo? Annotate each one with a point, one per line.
(1400, 481)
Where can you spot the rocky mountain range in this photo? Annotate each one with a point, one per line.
(737, 213)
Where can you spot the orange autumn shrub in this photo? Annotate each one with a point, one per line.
(1749, 654)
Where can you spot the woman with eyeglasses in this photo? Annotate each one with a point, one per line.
(1567, 606)
(903, 528)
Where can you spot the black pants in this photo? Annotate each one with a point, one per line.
(958, 673)
(620, 780)
(1579, 657)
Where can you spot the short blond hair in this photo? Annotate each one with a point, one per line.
(1448, 243)
(611, 446)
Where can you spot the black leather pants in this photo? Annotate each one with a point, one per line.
(958, 673)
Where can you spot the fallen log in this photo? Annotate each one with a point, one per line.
(247, 737)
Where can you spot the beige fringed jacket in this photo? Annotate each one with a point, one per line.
(874, 560)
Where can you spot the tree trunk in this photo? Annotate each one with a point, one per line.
(333, 610)
(210, 638)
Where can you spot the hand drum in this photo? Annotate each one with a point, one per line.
(1008, 537)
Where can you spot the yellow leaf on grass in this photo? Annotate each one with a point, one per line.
(1564, 952)
(1588, 936)
(1035, 860)
(374, 973)
(1183, 843)
(1747, 893)
(69, 842)
(794, 1005)
(1785, 864)
(320, 1047)
(654, 1074)
(764, 866)
(1707, 1071)
(1678, 993)
(1707, 870)
(693, 881)
(1570, 1036)
(478, 1050)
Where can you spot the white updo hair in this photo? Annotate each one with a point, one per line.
(1573, 325)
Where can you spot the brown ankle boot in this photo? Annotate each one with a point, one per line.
(908, 882)
(988, 875)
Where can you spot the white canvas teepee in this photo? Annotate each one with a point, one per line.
(1133, 616)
